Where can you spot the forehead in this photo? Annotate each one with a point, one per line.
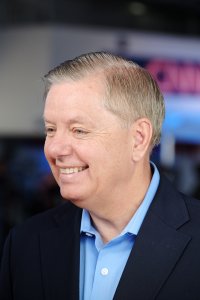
(91, 85)
(71, 98)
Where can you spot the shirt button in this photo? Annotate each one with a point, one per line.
(104, 271)
(88, 234)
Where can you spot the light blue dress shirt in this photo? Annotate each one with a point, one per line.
(101, 265)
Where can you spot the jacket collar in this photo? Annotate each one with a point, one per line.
(157, 248)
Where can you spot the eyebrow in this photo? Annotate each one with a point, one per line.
(46, 120)
(78, 119)
(72, 120)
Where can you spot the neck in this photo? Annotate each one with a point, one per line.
(111, 220)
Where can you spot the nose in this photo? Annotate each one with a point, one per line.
(58, 146)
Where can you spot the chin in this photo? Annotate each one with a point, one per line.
(73, 197)
(77, 200)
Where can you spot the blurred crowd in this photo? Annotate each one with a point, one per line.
(26, 184)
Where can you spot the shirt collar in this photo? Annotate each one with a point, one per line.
(136, 221)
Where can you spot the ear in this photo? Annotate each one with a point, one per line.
(142, 134)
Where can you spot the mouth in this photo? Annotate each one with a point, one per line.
(72, 170)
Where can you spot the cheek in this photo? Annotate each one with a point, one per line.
(118, 156)
(48, 155)
(45, 150)
(51, 162)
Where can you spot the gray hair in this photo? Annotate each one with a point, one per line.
(130, 91)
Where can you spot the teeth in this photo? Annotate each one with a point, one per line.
(72, 170)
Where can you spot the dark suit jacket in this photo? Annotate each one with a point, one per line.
(41, 257)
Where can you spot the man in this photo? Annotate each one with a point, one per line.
(125, 233)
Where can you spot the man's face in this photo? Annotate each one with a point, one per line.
(87, 148)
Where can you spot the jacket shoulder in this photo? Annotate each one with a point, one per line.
(173, 207)
(46, 220)
(193, 207)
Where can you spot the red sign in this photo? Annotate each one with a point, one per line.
(175, 77)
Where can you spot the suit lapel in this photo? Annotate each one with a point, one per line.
(60, 257)
(158, 247)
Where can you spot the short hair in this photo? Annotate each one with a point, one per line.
(130, 91)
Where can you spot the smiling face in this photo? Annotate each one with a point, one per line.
(88, 150)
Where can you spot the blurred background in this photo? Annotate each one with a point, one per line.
(161, 35)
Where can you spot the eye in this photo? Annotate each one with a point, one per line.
(79, 132)
(49, 131)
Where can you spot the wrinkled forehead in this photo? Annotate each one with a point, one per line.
(87, 93)
(82, 91)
